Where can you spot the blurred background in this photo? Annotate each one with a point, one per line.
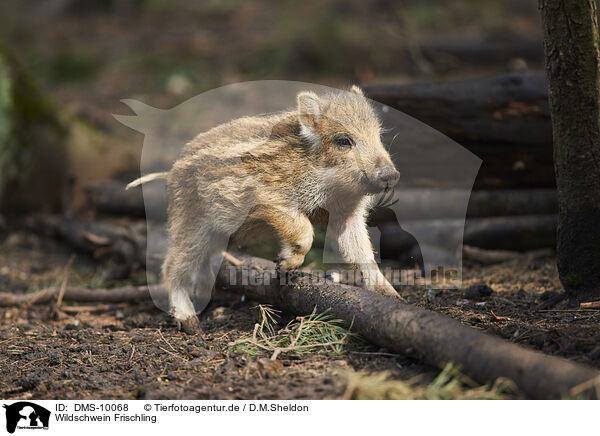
(86, 56)
(89, 54)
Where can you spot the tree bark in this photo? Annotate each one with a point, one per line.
(571, 47)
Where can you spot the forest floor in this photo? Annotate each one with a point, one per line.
(136, 351)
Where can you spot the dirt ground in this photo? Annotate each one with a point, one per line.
(136, 352)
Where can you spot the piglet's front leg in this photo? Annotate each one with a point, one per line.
(356, 248)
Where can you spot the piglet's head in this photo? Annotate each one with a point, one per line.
(344, 136)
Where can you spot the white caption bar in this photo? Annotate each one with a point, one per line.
(153, 417)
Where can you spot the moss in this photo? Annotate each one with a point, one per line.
(26, 118)
(5, 105)
(72, 65)
(575, 279)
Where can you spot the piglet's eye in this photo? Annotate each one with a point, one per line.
(344, 141)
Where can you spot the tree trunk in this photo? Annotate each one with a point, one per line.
(572, 61)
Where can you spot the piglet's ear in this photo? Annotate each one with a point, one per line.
(309, 110)
(357, 90)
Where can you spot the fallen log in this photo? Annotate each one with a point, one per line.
(513, 166)
(508, 108)
(449, 203)
(486, 49)
(428, 336)
(490, 257)
(514, 202)
(520, 233)
(398, 327)
(516, 233)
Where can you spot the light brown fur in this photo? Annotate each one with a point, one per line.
(281, 170)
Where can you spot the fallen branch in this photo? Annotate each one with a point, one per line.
(429, 336)
(590, 305)
(126, 294)
(490, 257)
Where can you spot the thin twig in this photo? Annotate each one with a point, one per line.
(237, 262)
(232, 259)
(95, 308)
(32, 361)
(292, 344)
(63, 285)
(166, 342)
(499, 318)
(172, 354)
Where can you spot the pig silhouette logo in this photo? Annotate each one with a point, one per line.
(26, 415)
(434, 189)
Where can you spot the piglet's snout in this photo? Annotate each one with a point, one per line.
(388, 177)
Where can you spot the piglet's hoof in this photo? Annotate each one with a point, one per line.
(287, 276)
(191, 326)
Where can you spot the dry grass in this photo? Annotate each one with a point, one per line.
(450, 384)
(314, 332)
